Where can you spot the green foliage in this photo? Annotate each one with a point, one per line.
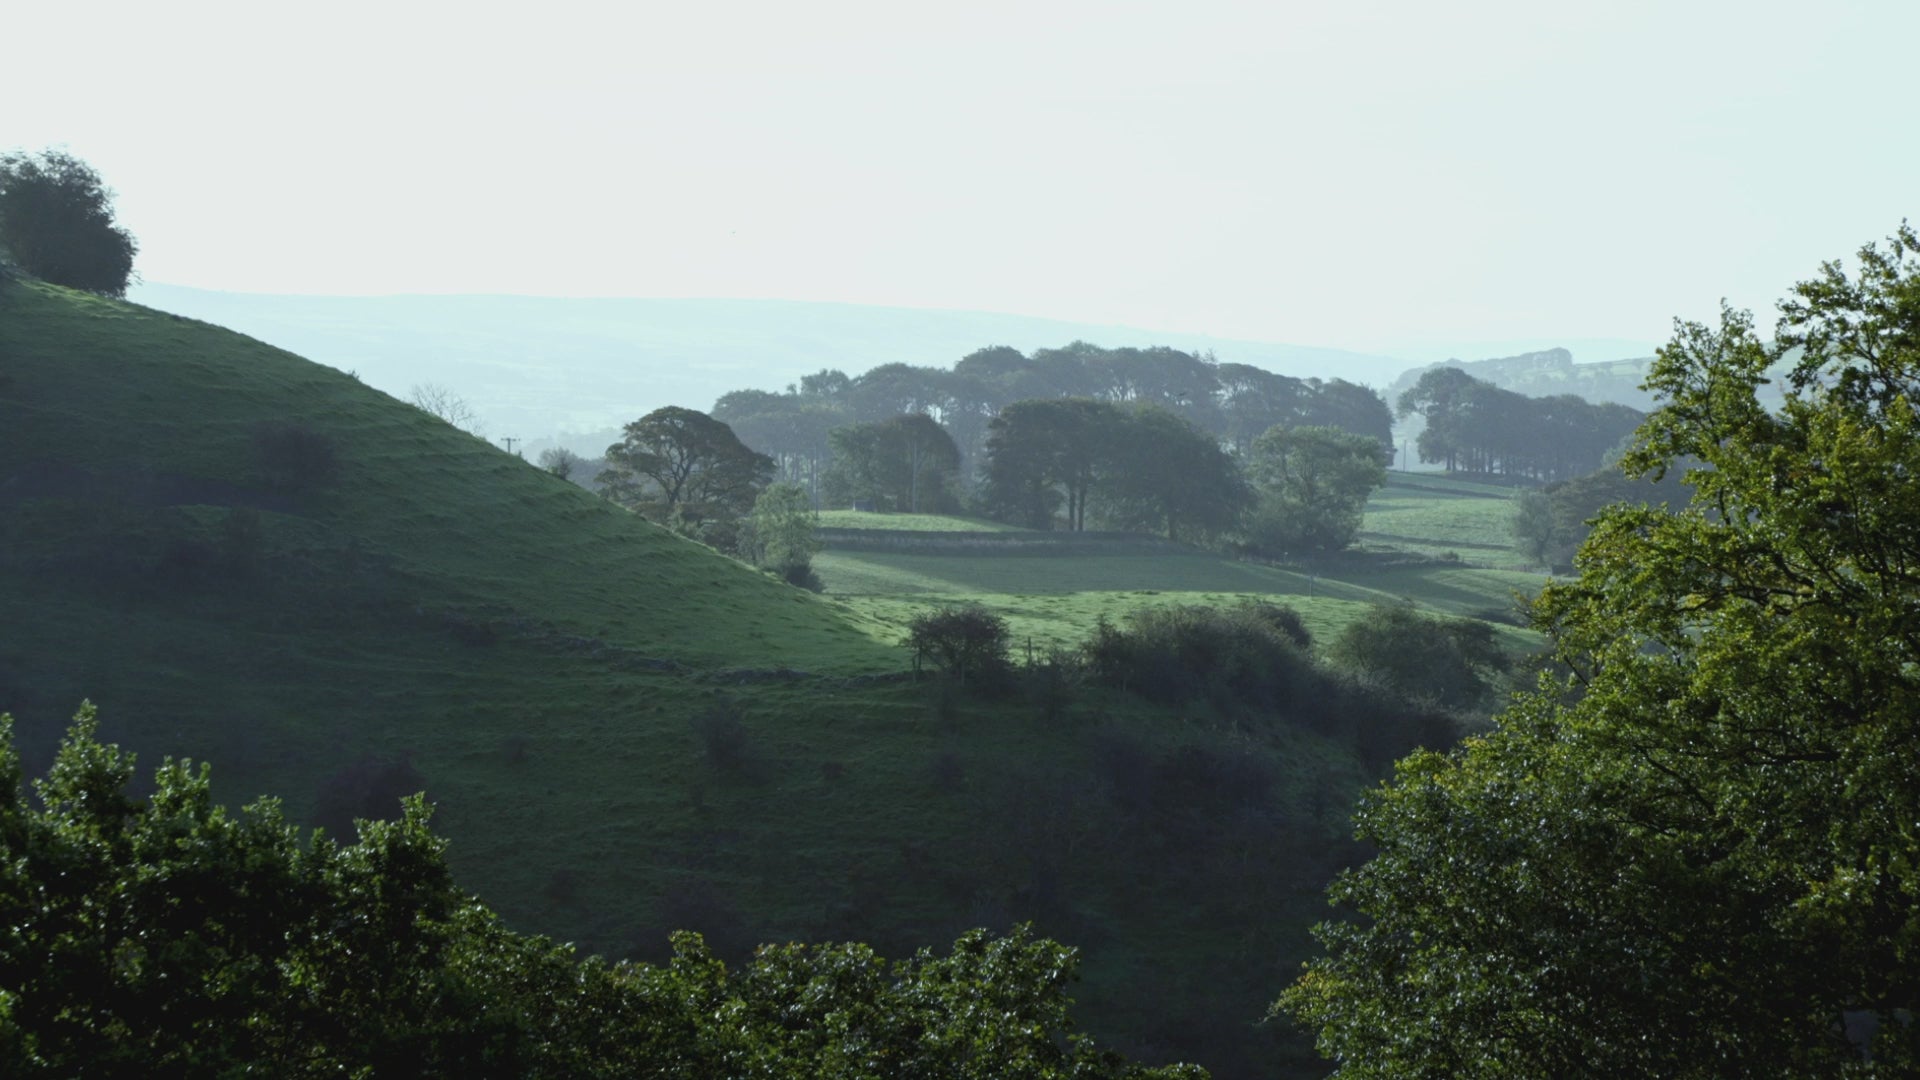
(963, 642)
(1453, 663)
(1536, 533)
(56, 223)
(1311, 487)
(1695, 856)
(907, 463)
(1251, 653)
(1043, 453)
(1139, 468)
(1166, 474)
(1472, 424)
(166, 937)
(1550, 525)
(684, 468)
(782, 532)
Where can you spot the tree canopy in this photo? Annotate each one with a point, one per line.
(1695, 854)
(908, 461)
(1311, 486)
(681, 465)
(56, 222)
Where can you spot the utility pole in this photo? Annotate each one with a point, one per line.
(509, 440)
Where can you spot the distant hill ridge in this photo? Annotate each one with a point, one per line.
(1546, 373)
(535, 367)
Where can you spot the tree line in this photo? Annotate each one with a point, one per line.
(1063, 462)
(1235, 403)
(1475, 426)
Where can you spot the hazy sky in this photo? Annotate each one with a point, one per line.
(1347, 173)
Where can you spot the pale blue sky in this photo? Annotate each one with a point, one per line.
(1366, 175)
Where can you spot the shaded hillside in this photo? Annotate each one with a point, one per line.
(535, 366)
(118, 405)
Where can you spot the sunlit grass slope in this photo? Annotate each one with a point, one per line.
(1055, 601)
(1437, 515)
(123, 392)
(861, 519)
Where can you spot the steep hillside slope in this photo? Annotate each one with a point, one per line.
(119, 403)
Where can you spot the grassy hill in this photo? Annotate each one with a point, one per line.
(255, 560)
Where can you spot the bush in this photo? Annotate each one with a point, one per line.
(1248, 654)
(295, 457)
(1453, 663)
(964, 643)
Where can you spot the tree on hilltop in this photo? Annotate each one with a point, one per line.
(1694, 855)
(56, 223)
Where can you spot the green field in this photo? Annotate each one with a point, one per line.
(861, 519)
(1055, 601)
(1431, 514)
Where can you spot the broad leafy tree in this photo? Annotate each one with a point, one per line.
(1311, 486)
(1696, 854)
(1165, 475)
(56, 223)
(681, 466)
(1046, 453)
(783, 531)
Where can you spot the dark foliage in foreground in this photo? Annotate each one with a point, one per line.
(167, 937)
(1695, 854)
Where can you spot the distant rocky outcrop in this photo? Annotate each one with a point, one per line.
(1547, 373)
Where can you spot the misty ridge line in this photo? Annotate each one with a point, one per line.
(543, 368)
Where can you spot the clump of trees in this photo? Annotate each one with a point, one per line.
(1250, 654)
(166, 936)
(1233, 403)
(907, 463)
(1454, 664)
(1473, 425)
(1311, 486)
(57, 223)
(1135, 467)
(1550, 524)
(1693, 855)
